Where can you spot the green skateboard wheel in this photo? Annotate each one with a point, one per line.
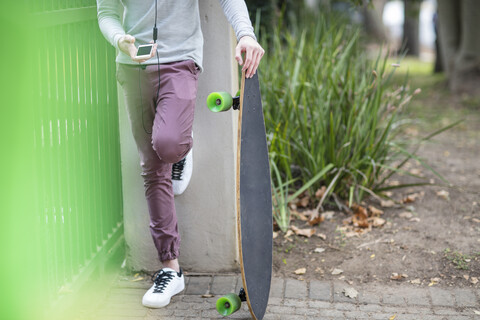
(228, 304)
(219, 101)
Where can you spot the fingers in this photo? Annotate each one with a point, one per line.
(238, 55)
(253, 54)
(129, 39)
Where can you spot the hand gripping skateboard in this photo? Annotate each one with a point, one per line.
(254, 199)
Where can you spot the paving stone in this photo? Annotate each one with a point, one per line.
(123, 312)
(295, 289)
(306, 312)
(338, 295)
(366, 297)
(320, 290)
(223, 284)
(295, 303)
(370, 307)
(162, 312)
(394, 296)
(441, 297)
(275, 301)
(187, 313)
(416, 296)
(465, 297)
(280, 309)
(345, 306)
(276, 288)
(336, 314)
(320, 304)
(239, 284)
(198, 285)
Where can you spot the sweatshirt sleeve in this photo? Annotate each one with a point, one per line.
(109, 20)
(237, 14)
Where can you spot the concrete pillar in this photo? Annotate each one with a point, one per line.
(206, 211)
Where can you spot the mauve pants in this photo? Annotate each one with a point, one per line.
(162, 129)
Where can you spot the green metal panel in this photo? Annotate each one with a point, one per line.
(77, 144)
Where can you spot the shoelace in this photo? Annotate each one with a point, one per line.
(177, 169)
(161, 279)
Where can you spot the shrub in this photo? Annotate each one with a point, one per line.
(327, 106)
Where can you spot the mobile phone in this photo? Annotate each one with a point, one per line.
(144, 51)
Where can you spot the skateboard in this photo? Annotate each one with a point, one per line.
(254, 199)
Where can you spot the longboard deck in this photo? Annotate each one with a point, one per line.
(254, 199)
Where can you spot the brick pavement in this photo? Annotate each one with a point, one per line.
(293, 299)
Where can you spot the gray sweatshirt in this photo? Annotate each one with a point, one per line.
(178, 22)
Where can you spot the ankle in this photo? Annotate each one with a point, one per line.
(172, 264)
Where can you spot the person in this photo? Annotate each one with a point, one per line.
(160, 92)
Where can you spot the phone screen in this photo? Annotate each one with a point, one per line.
(144, 50)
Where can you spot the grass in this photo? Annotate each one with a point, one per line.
(332, 115)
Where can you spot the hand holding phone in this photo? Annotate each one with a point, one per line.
(127, 45)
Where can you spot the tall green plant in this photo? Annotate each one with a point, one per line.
(327, 103)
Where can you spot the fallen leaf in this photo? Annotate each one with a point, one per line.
(319, 270)
(413, 197)
(416, 219)
(303, 232)
(337, 271)
(392, 317)
(416, 172)
(137, 279)
(315, 218)
(443, 194)
(319, 250)
(350, 292)
(416, 281)
(474, 280)
(378, 222)
(304, 202)
(328, 215)
(301, 271)
(288, 234)
(434, 281)
(476, 220)
(396, 276)
(372, 256)
(360, 211)
(320, 192)
(476, 312)
(466, 277)
(275, 235)
(406, 215)
(375, 211)
(208, 295)
(322, 236)
(387, 203)
(301, 216)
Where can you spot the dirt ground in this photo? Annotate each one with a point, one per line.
(434, 238)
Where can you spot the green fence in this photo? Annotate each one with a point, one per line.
(76, 140)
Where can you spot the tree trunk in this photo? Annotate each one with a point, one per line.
(373, 20)
(460, 41)
(411, 27)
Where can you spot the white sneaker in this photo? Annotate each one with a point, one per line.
(166, 283)
(181, 173)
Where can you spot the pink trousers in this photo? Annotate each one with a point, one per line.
(162, 129)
